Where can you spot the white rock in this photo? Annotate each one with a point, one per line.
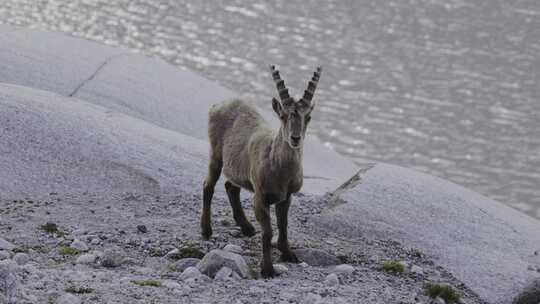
(343, 268)
(68, 299)
(280, 269)
(95, 242)
(216, 259)
(173, 253)
(112, 258)
(438, 300)
(331, 280)
(21, 258)
(5, 245)
(184, 263)
(274, 241)
(233, 248)
(171, 284)
(87, 258)
(190, 273)
(79, 245)
(79, 232)
(303, 265)
(224, 274)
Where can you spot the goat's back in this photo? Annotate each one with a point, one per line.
(231, 126)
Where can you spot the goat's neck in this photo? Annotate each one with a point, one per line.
(282, 155)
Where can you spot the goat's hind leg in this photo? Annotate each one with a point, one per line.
(233, 192)
(214, 171)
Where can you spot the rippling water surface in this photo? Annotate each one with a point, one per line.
(449, 87)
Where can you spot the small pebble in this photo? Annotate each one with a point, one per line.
(280, 269)
(21, 258)
(417, 269)
(343, 268)
(142, 229)
(224, 274)
(86, 259)
(173, 254)
(4, 255)
(184, 263)
(438, 300)
(5, 245)
(190, 273)
(79, 245)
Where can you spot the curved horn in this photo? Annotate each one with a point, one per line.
(312, 85)
(280, 84)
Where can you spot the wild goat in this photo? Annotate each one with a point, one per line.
(258, 159)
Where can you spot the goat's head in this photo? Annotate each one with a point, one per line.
(294, 115)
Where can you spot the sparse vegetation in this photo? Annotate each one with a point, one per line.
(393, 266)
(78, 290)
(446, 292)
(190, 252)
(187, 251)
(65, 250)
(154, 283)
(27, 248)
(52, 229)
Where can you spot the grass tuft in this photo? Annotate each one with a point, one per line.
(65, 250)
(393, 266)
(78, 290)
(187, 251)
(446, 292)
(154, 283)
(52, 229)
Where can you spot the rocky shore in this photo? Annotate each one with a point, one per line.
(102, 159)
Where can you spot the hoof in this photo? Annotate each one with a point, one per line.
(206, 233)
(248, 230)
(289, 257)
(268, 273)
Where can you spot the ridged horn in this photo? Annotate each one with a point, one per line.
(312, 85)
(280, 84)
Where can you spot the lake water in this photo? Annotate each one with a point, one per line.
(448, 87)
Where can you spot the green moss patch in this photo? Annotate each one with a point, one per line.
(27, 248)
(78, 290)
(187, 251)
(65, 250)
(153, 283)
(446, 292)
(393, 266)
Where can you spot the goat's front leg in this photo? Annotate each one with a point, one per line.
(282, 212)
(262, 213)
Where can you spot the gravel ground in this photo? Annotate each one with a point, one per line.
(113, 229)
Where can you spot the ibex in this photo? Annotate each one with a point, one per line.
(256, 158)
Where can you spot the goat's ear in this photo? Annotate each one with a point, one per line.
(276, 105)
